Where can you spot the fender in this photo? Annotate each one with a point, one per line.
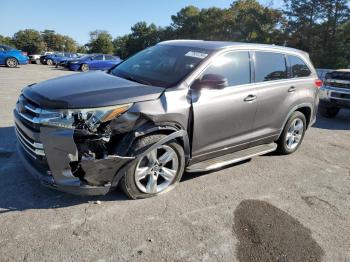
(178, 134)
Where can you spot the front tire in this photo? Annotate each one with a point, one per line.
(293, 134)
(84, 67)
(157, 172)
(329, 112)
(49, 62)
(11, 62)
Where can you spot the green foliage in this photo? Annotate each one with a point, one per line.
(318, 27)
(5, 40)
(29, 40)
(100, 42)
(83, 49)
(58, 42)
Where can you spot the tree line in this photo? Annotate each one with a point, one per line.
(319, 27)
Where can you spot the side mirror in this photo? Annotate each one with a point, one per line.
(211, 81)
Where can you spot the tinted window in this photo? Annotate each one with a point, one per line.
(269, 66)
(6, 48)
(98, 57)
(234, 66)
(162, 65)
(299, 68)
(109, 57)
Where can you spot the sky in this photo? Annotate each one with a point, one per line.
(76, 18)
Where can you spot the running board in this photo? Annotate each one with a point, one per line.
(231, 158)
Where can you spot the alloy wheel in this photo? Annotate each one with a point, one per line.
(11, 62)
(84, 68)
(295, 133)
(157, 170)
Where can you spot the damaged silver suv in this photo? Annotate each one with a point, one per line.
(178, 106)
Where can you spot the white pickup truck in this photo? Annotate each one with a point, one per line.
(335, 92)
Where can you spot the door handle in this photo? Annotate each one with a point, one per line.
(292, 89)
(250, 98)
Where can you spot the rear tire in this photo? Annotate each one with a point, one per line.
(329, 112)
(293, 134)
(165, 171)
(11, 62)
(84, 68)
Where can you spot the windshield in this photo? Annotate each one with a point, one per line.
(161, 65)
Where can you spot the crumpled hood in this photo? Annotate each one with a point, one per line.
(86, 90)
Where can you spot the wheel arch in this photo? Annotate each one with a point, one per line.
(9, 57)
(304, 108)
(167, 129)
(171, 134)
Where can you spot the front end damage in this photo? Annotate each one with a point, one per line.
(87, 151)
(83, 154)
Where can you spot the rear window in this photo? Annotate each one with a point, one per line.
(109, 57)
(298, 67)
(269, 66)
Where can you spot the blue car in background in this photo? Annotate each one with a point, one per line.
(56, 58)
(11, 57)
(93, 62)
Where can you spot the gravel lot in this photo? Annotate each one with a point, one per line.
(272, 208)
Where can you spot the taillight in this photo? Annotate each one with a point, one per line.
(318, 83)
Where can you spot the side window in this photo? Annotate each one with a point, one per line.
(98, 57)
(109, 57)
(269, 66)
(298, 66)
(1, 49)
(235, 66)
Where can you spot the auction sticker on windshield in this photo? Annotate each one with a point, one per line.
(196, 54)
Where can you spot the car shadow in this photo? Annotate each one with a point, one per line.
(340, 122)
(19, 191)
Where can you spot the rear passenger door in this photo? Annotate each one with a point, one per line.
(276, 95)
(109, 62)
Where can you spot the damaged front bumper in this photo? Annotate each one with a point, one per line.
(52, 154)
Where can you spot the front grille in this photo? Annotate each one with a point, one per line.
(29, 113)
(33, 148)
(27, 127)
(338, 83)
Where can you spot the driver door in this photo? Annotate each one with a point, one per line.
(224, 117)
(97, 62)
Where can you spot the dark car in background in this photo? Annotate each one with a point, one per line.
(53, 59)
(179, 105)
(93, 62)
(11, 57)
(335, 92)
